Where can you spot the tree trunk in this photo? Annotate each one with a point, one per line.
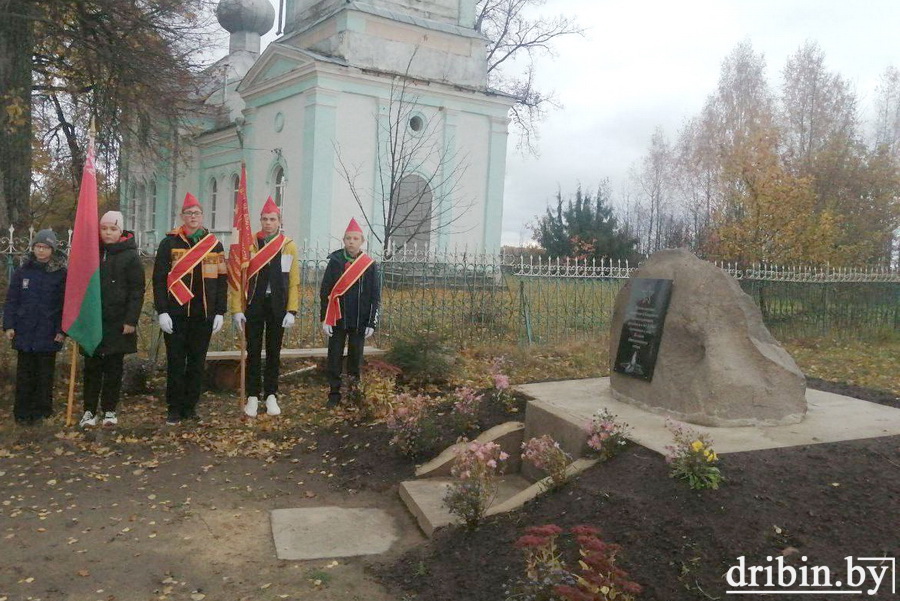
(16, 48)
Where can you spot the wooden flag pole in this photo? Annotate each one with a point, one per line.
(72, 372)
(243, 398)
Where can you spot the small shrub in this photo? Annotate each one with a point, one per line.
(593, 575)
(424, 356)
(500, 382)
(545, 454)
(475, 469)
(374, 395)
(607, 437)
(466, 402)
(692, 457)
(598, 578)
(414, 429)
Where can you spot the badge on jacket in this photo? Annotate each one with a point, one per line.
(25, 283)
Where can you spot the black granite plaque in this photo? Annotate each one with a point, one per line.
(642, 329)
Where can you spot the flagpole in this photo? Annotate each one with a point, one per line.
(70, 403)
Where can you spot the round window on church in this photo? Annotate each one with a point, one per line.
(417, 123)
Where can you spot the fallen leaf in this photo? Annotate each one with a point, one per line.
(84, 573)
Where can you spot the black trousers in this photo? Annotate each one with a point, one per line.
(354, 340)
(34, 386)
(186, 350)
(103, 382)
(264, 320)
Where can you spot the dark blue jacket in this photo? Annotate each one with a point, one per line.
(360, 304)
(34, 305)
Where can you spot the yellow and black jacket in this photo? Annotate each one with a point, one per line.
(280, 278)
(208, 280)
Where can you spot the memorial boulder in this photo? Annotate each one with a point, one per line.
(686, 341)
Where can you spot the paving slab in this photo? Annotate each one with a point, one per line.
(325, 532)
(830, 418)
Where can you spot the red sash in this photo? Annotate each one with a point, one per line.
(266, 254)
(185, 265)
(344, 283)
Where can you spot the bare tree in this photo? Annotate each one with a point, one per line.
(513, 35)
(417, 191)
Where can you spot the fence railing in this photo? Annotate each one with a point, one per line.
(474, 297)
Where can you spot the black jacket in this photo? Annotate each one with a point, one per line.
(360, 304)
(122, 288)
(208, 280)
(34, 304)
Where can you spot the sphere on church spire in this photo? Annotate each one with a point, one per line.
(254, 16)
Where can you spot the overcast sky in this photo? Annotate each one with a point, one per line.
(648, 63)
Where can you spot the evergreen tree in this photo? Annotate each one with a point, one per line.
(583, 227)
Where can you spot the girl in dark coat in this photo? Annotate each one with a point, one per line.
(32, 319)
(122, 296)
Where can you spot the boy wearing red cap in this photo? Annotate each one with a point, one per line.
(350, 298)
(273, 298)
(190, 288)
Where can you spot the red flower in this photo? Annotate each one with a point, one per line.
(530, 541)
(548, 530)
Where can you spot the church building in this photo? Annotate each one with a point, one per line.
(378, 110)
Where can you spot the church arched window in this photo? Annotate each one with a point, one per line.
(412, 200)
(280, 182)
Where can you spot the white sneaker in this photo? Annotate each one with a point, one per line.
(251, 407)
(272, 407)
(110, 419)
(88, 419)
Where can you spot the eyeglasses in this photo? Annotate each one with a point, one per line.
(192, 213)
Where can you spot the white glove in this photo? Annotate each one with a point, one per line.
(288, 320)
(165, 323)
(239, 320)
(218, 320)
(369, 332)
(327, 329)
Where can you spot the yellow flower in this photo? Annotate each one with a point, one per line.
(697, 446)
(710, 457)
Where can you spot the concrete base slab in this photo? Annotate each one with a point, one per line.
(425, 499)
(830, 418)
(324, 532)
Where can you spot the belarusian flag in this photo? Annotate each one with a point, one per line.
(82, 311)
(241, 242)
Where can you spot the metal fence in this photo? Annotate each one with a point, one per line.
(493, 298)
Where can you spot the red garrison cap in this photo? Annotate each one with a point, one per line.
(270, 207)
(353, 227)
(190, 201)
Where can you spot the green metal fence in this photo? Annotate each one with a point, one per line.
(485, 298)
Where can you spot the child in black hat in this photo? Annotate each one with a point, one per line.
(32, 320)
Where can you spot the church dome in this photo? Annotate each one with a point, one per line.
(255, 16)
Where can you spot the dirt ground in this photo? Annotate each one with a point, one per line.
(145, 512)
(824, 502)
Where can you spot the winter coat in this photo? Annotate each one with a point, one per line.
(122, 288)
(208, 280)
(360, 304)
(281, 276)
(34, 304)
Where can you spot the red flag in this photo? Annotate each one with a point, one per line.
(241, 242)
(82, 317)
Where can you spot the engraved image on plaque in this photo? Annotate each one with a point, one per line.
(642, 329)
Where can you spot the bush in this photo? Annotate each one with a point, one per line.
(545, 454)
(466, 402)
(476, 469)
(425, 356)
(414, 428)
(692, 457)
(606, 435)
(594, 575)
